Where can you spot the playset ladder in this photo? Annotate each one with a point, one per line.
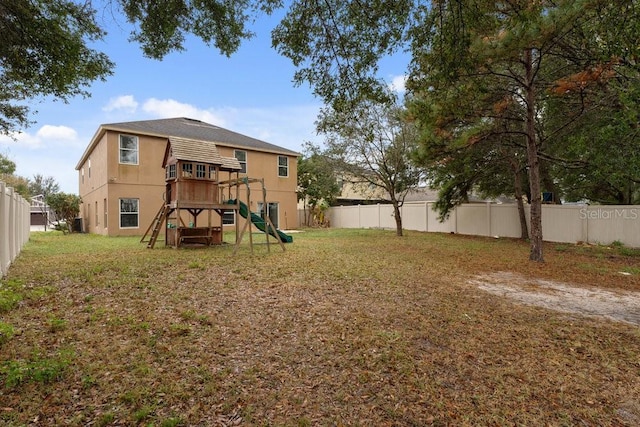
(156, 224)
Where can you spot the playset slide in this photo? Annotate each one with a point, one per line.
(261, 223)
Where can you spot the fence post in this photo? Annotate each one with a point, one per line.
(488, 204)
(426, 216)
(12, 224)
(4, 230)
(585, 224)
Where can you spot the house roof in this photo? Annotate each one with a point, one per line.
(200, 151)
(186, 128)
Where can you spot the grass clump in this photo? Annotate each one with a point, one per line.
(11, 293)
(6, 332)
(38, 369)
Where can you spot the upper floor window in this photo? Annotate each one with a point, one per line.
(242, 158)
(129, 149)
(283, 166)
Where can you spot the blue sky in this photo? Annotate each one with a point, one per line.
(251, 93)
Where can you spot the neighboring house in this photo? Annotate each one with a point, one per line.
(41, 214)
(122, 178)
(357, 191)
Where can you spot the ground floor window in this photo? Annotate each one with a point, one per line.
(129, 213)
(229, 217)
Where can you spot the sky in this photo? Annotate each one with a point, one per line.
(250, 92)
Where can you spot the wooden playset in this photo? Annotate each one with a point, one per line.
(193, 188)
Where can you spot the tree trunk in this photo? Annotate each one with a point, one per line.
(532, 158)
(517, 187)
(397, 216)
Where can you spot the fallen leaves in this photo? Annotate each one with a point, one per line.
(347, 327)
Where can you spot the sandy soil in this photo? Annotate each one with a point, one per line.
(622, 306)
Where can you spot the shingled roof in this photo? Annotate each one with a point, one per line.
(182, 127)
(200, 151)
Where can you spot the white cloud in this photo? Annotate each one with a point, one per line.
(20, 139)
(57, 133)
(398, 84)
(126, 103)
(165, 108)
(47, 135)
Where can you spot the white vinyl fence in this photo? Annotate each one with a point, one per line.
(14, 225)
(560, 223)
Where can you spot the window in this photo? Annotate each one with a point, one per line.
(228, 217)
(242, 158)
(212, 173)
(97, 213)
(105, 213)
(187, 170)
(89, 168)
(82, 174)
(128, 150)
(171, 171)
(201, 171)
(129, 213)
(283, 166)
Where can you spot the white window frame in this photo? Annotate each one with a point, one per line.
(225, 214)
(285, 166)
(122, 150)
(136, 213)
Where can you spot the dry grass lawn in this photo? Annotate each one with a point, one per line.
(346, 327)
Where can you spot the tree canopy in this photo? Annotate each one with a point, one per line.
(66, 207)
(44, 50)
(317, 181)
(44, 186)
(373, 143)
(520, 75)
(7, 166)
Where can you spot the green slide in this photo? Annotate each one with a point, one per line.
(261, 223)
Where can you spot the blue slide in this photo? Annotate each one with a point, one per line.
(261, 223)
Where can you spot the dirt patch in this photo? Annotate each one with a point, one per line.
(620, 306)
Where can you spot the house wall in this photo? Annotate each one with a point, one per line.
(92, 178)
(281, 190)
(146, 181)
(112, 181)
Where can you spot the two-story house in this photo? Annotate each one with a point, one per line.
(122, 178)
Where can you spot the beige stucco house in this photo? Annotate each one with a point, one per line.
(122, 178)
